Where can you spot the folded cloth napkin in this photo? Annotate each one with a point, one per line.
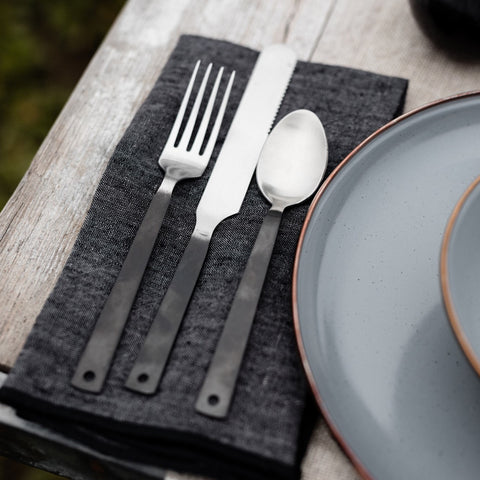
(261, 438)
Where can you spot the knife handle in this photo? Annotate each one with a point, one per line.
(152, 359)
(95, 361)
(218, 387)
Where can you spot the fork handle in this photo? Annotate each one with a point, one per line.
(218, 387)
(152, 359)
(95, 361)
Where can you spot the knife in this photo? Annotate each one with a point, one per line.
(222, 198)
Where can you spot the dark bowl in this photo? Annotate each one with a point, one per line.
(454, 25)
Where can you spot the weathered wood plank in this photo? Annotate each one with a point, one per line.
(42, 219)
(383, 37)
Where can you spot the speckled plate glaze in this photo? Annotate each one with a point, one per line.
(460, 272)
(376, 343)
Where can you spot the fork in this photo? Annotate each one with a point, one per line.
(179, 162)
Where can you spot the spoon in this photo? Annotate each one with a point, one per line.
(291, 165)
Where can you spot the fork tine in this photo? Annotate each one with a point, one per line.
(183, 144)
(181, 112)
(218, 121)
(197, 145)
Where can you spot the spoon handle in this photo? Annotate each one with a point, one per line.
(94, 363)
(219, 384)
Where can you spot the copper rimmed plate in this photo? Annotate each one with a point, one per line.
(377, 346)
(460, 272)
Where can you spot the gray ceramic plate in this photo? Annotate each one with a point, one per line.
(377, 346)
(460, 272)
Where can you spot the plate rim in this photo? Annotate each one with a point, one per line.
(445, 284)
(361, 469)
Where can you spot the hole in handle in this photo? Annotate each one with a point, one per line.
(213, 399)
(142, 378)
(89, 376)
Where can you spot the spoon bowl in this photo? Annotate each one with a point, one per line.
(293, 159)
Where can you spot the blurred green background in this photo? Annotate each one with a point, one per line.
(44, 48)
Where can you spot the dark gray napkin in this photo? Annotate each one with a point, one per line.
(261, 436)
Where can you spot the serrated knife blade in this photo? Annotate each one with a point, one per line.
(228, 183)
(222, 197)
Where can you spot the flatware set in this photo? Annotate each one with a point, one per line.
(221, 198)
(292, 162)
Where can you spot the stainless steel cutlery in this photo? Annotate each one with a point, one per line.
(179, 162)
(298, 137)
(222, 198)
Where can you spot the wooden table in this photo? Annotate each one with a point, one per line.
(41, 221)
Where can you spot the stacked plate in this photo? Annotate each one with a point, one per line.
(460, 272)
(372, 325)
